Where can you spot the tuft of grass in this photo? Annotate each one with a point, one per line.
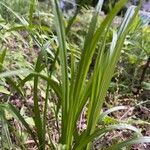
(74, 87)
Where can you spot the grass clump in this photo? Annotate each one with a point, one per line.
(72, 81)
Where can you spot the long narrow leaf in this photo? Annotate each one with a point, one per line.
(141, 140)
(59, 25)
(13, 110)
(86, 139)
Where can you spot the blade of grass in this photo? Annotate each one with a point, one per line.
(104, 114)
(141, 140)
(10, 108)
(59, 25)
(99, 132)
(37, 113)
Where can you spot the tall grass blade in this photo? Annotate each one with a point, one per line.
(117, 108)
(37, 113)
(59, 25)
(99, 132)
(10, 108)
(141, 140)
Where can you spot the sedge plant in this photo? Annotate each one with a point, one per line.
(76, 88)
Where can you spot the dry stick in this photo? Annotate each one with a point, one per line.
(144, 70)
(146, 66)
